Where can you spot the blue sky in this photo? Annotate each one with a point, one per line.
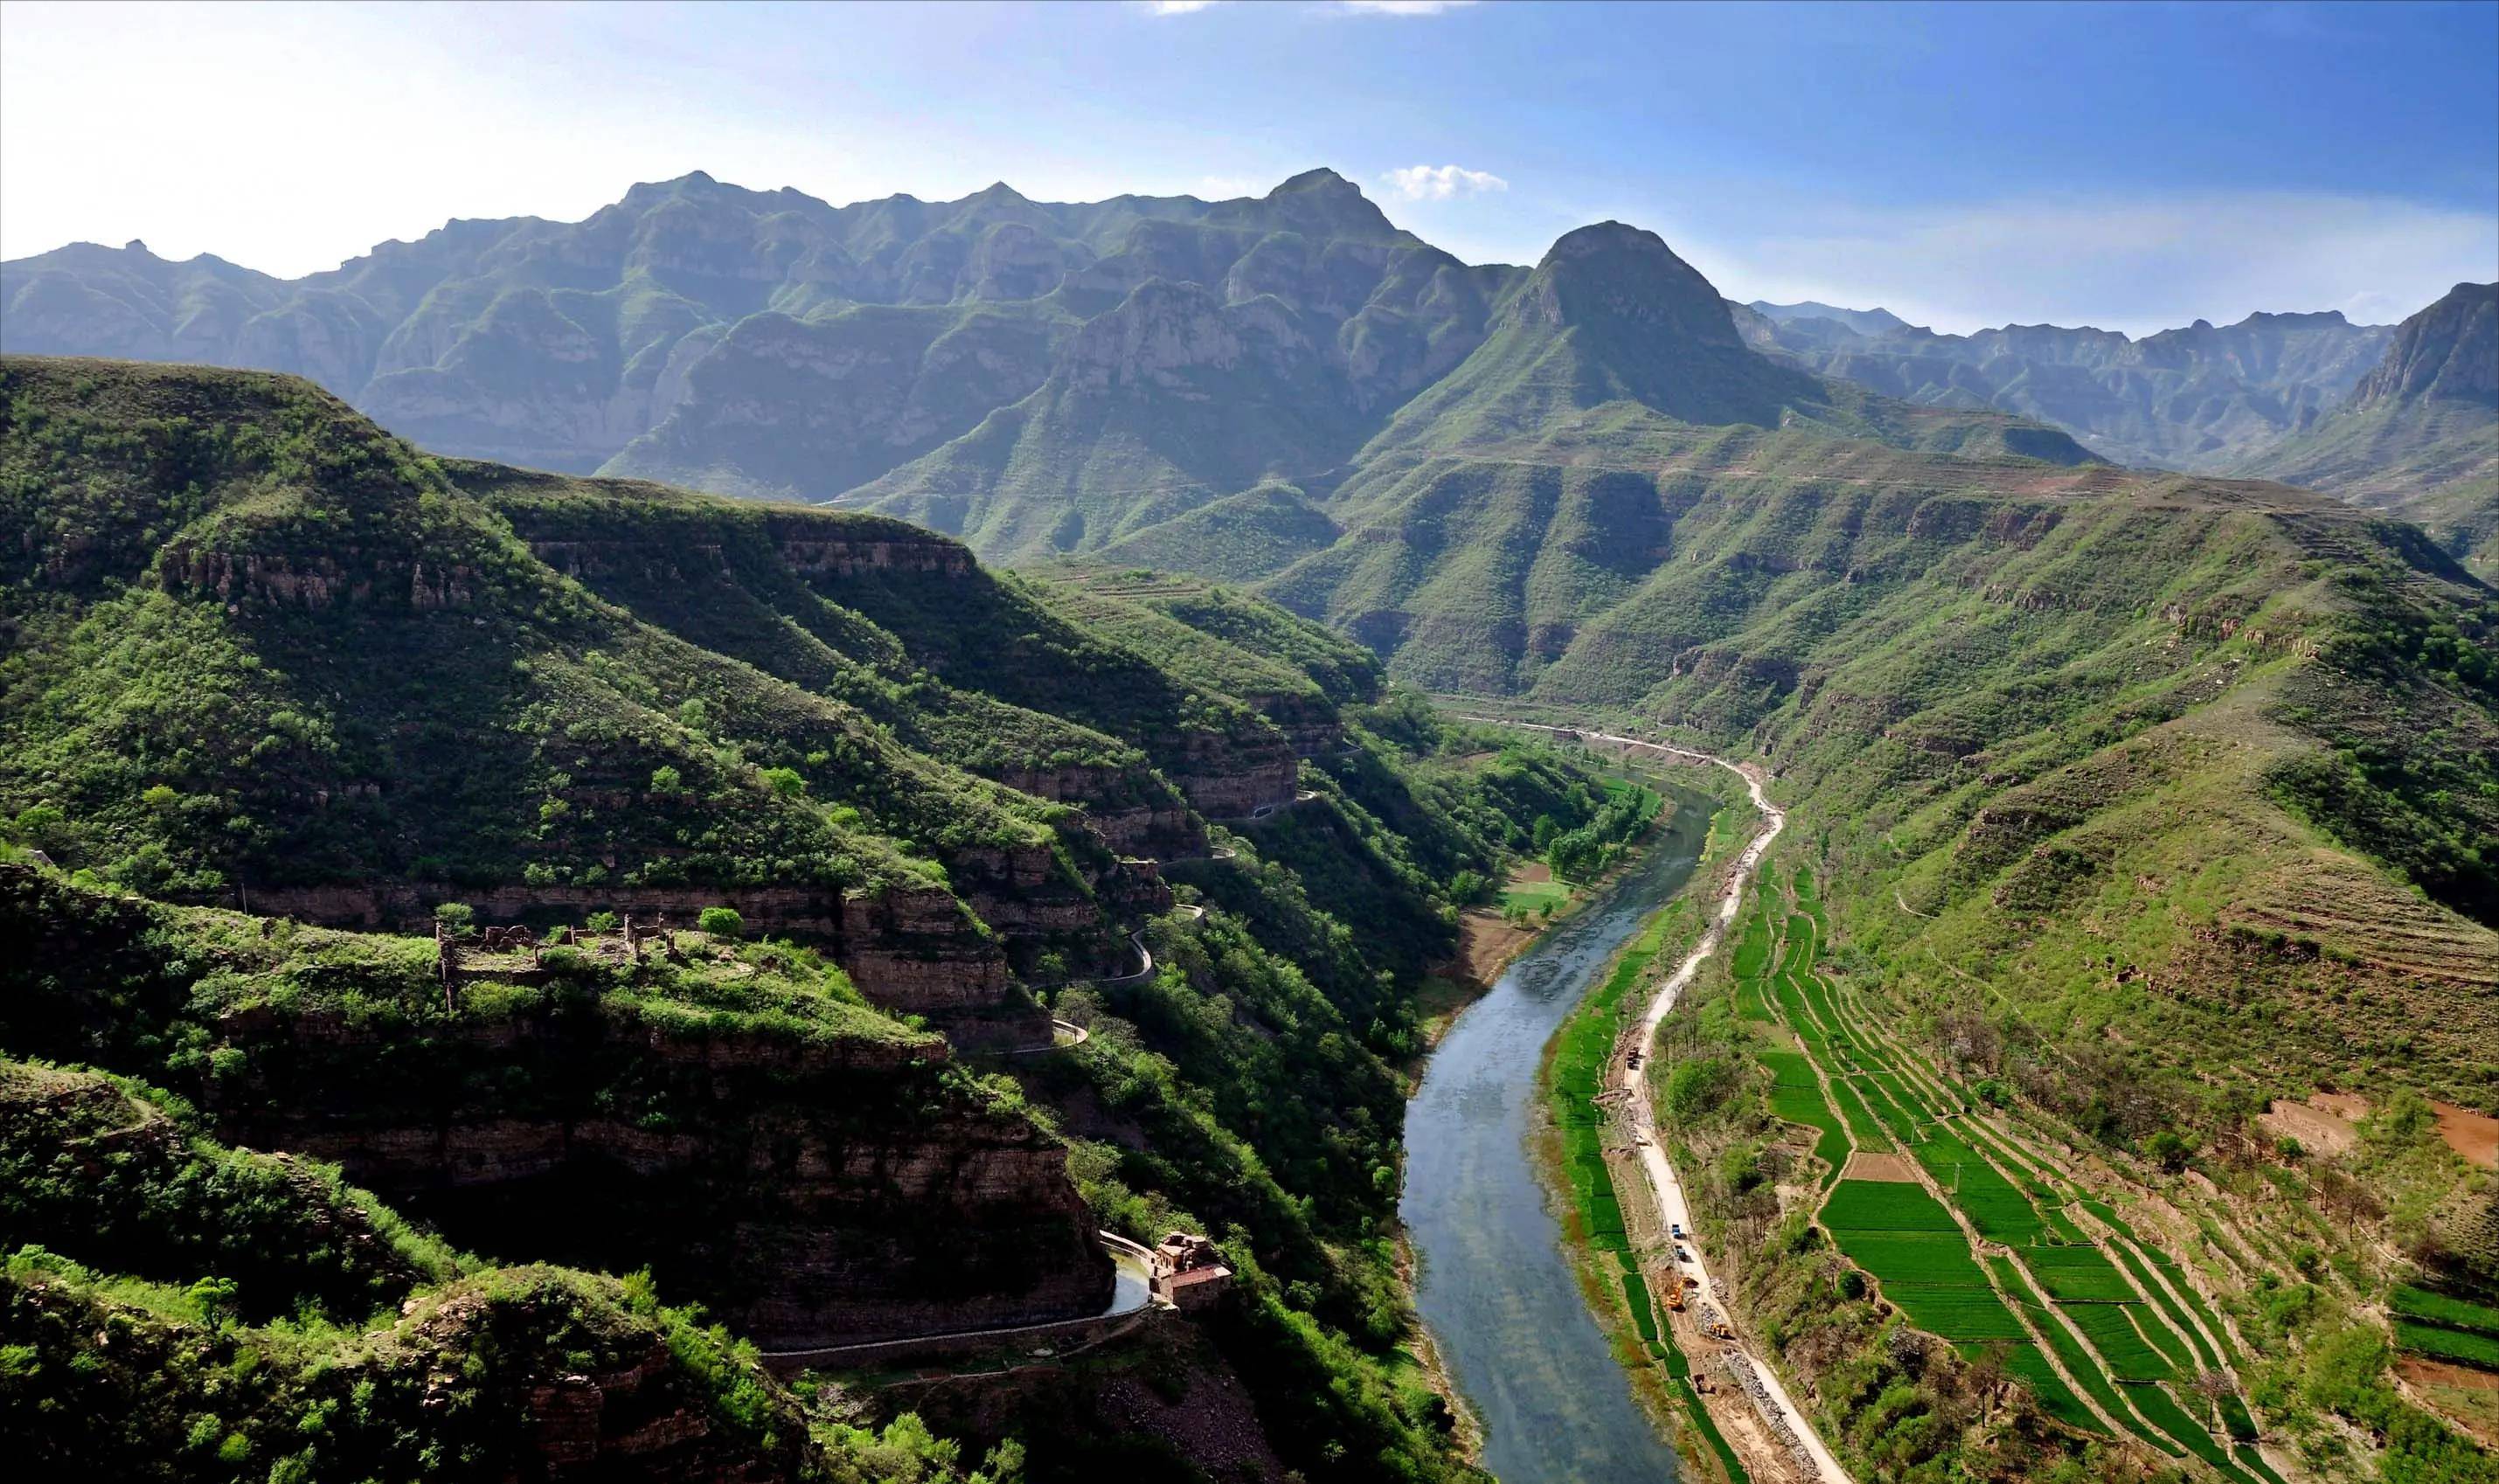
(2130, 167)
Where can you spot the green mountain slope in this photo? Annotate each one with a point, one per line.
(2420, 437)
(275, 679)
(1239, 537)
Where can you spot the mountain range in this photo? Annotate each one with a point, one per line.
(2144, 799)
(2195, 399)
(1049, 378)
(291, 711)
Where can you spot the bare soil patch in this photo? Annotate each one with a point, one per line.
(1486, 944)
(1867, 1165)
(2326, 1122)
(2473, 1135)
(1531, 871)
(2467, 1398)
(2314, 1127)
(2430, 1372)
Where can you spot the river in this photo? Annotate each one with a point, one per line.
(1494, 1284)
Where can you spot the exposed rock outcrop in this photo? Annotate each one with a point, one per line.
(813, 1194)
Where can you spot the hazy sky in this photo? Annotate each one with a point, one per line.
(2132, 168)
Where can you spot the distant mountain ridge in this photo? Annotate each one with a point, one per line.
(2420, 437)
(860, 335)
(1051, 379)
(2199, 399)
(1875, 321)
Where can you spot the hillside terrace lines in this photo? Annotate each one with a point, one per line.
(2010, 1148)
(1914, 1270)
(1671, 1206)
(2114, 1302)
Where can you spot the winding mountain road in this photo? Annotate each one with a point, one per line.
(1673, 1208)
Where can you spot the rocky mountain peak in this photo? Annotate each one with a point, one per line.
(1316, 202)
(1615, 274)
(2449, 351)
(1319, 180)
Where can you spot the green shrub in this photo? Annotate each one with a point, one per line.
(722, 922)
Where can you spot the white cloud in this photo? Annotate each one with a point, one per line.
(1442, 183)
(1178, 7)
(1403, 6)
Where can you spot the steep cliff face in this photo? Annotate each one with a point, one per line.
(2420, 437)
(116, 1201)
(2448, 352)
(799, 1225)
(767, 1144)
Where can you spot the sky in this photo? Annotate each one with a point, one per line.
(2129, 167)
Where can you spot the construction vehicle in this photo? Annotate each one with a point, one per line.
(1675, 1298)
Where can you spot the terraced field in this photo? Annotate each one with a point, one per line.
(1978, 1240)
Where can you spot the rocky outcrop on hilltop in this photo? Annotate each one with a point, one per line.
(2448, 352)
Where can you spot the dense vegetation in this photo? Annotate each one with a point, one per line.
(259, 647)
(178, 1310)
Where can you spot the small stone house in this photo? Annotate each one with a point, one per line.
(1189, 1274)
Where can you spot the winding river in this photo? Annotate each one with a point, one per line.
(1494, 1284)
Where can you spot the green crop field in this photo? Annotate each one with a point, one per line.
(2444, 1310)
(2461, 1347)
(1870, 1135)
(2177, 1336)
(1956, 1312)
(2027, 1362)
(2078, 1274)
(1920, 1258)
(2114, 1336)
(1882, 1206)
(1999, 1211)
(1531, 896)
(1789, 1069)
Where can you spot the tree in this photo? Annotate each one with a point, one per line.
(457, 919)
(215, 1297)
(722, 922)
(785, 781)
(2168, 1150)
